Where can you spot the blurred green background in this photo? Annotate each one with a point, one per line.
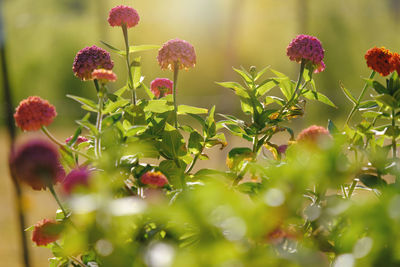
(43, 36)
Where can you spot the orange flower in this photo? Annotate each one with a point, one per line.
(33, 113)
(154, 179)
(45, 232)
(380, 60)
(395, 61)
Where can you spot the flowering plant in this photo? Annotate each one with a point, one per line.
(133, 194)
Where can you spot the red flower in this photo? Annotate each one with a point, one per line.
(45, 232)
(104, 76)
(33, 113)
(308, 48)
(312, 134)
(123, 15)
(395, 62)
(380, 60)
(77, 177)
(37, 164)
(80, 139)
(161, 87)
(154, 179)
(90, 58)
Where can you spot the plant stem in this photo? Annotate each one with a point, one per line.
(193, 162)
(52, 138)
(97, 141)
(176, 70)
(130, 80)
(394, 136)
(359, 98)
(352, 187)
(302, 66)
(51, 188)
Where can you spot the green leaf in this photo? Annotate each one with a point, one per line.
(158, 106)
(368, 104)
(378, 87)
(285, 84)
(122, 90)
(148, 91)
(261, 72)
(347, 93)
(371, 114)
(319, 97)
(75, 136)
(250, 188)
(236, 130)
(185, 109)
(119, 51)
(265, 86)
(237, 156)
(195, 145)
(387, 100)
(274, 99)
(112, 106)
(172, 144)
(172, 171)
(372, 181)
(135, 115)
(239, 90)
(136, 72)
(246, 77)
(332, 127)
(140, 48)
(89, 104)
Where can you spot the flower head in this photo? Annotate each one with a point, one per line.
(33, 113)
(154, 179)
(395, 62)
(77, 177)
(104, 76)
(176, 52)
(380, 60)
(161, 87)
(90, 58)
(45, 232)
(123, 15)
(312, 134)
(80, 139)
(37, 164)
(309, 48)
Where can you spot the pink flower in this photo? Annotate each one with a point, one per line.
(37, 164)
(45, 232)
(123, 15)
(33, 113)
(161, 87)
(154, 179)
(90, 58)
(176, 52)
(312, 134)
(80, 139)
(104, 76)
(309, 48)
(77, 177)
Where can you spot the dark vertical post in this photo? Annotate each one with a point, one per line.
(9, 110)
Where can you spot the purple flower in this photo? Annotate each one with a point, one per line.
(308, 48)
(77, 177)
(90, 58)
(37, 164)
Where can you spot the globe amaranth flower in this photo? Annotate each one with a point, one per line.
(123, 15)
(154, 179)
(308, 48)
(90, 58)
(46, 231)
(36, 163)
(161, 87)
(77, 177)
(104, 76)
(379, 59)
(176, 53)
(33, 113)
(313, 134)
(79, 140)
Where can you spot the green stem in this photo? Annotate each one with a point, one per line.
(63, 146)
(355, 107)
(130, 79)
(51, 188)
(176, 70)
(193, 162)
(352, 187)
(97, 141)
(394, 137)
(302, 66)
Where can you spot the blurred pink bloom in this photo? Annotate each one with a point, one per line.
(37, 164)
(45, 232)
(154, 179)
(80, 139)
(90, 58)
(177, 52)
(104, 75)
(77, 177)
(312, 134)
(33, 113)
(309, 48)
(123, 15)
(161, 87)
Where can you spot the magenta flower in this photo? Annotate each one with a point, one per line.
(77, 177)
(176, 52)
(33, 113)
(308, 48)
(154, 179)
(104, 76)
(123, 15)
(80, 139)
(46, 231)
(90, 58)
(161, 87)
(37, 164)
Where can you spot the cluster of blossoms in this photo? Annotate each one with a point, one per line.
(89, 59)
(161, 87)
(307, 48)
(123, 16)
(176, 53)
(33, 113)
(382, 60)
